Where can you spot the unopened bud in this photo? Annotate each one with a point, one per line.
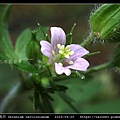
(33, 49)
(105, 22)
(45, 82)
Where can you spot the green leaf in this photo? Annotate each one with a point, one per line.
(6, 12)
(3, 56)
(25, 66)
(60, 88)
(37, 101)
(5, 41)
(46, 103)
(50, 90)
(48, 106)
(21, 43)
(67, 99)
(65, 96)
(79, 90)
(49, 97)
(84, 92)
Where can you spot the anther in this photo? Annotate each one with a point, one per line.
(70, 62)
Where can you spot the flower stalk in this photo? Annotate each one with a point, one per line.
(98, 68)
(88, 40)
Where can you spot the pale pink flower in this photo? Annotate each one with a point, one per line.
(64, 57)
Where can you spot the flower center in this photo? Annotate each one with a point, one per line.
(65, 51)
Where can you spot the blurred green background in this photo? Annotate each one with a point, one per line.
(96, 94)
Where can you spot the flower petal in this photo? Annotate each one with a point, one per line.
(79, 64)
(60, 69)
(57, 37)
(79, 51)
(46, 49)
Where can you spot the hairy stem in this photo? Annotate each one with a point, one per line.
(99, 67)
(88, 40)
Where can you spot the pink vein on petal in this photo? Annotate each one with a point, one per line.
(57, 37)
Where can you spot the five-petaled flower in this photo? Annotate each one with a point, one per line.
(64, 57)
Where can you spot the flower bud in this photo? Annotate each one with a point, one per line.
(45, 82)
(105, 22)
(33, 49)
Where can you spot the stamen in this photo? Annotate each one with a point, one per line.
(68, 47)
(58, 45)
(60, 64)
(70, 62)
(53, 52)
(62, 47)
(71, 52)
(65, 51)
(60, 51)
(67, 56)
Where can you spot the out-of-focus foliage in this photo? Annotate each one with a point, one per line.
(94, 94)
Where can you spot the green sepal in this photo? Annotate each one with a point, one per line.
(49, 97)
(69, 35)
(91, 54)
(43, 30)
(105, 22)
(61, 88)
(46, 103)
(45, 82)
(45, 59)
(57, 87)
(42, 98)
(36, 98)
